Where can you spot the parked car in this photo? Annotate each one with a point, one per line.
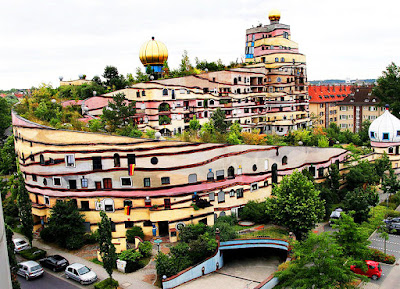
(55, 263)
(80, 273)
(20, 245)
(374, 270)
(30, 270)
(335, 215)
(393, 223)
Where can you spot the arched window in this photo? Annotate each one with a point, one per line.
(192, 178)
(282, 59)
(117, 161)
(390, 150)
(211, 102)
(276, 59)
(231, 173)
(235, 81)
(274, 173)
(165, 91)
(210, 176)
(42, 160)
(284, 160)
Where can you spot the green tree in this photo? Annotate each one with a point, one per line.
(5, 116)
(11, 258)
(113, 79)
(194, 125)
(218, 119)
(388, 88)
(358, 202)
(333, 180)
(119, 113)
(8, 164)
(361, 175)
(296, 204)
(65, 224)
(382, 165)
(317, 262)
(351, 237)
(25, 208)
(107, 248)
(140, 76)
(390, 183)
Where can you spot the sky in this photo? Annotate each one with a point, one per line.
(42, 40)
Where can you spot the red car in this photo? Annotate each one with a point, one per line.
(374, 270)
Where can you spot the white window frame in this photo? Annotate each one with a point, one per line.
(251, 187)
(106, 202)
(66, 163)
(54, 184)
(125, 178)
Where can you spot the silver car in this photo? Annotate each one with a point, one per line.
(29, 270)
(80, 273)
(20, 245)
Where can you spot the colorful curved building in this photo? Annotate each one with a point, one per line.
(151, 183)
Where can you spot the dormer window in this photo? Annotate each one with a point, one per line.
(385, 136)
(373, 100)
(366, 100)
(351, 100)
(372, 134)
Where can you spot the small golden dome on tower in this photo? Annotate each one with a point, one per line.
(274, 15)
(153, 52)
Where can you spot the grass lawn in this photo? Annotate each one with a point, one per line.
(270, 231)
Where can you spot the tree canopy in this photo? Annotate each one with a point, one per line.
(296, 204)
(388, 88)
(318, 262)
(24, 207)
(107, 248)
(65, 225)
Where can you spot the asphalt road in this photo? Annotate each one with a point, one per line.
(47, 281)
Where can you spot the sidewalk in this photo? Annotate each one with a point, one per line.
(126, 281)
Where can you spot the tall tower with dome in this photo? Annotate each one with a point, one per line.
(154, 53)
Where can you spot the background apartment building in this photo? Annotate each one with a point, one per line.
(358, 107)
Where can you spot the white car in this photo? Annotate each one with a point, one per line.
(20, 245)
(80, 273)
(30, 269)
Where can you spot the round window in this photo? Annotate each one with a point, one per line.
(154, 160)
(279, 79)
(254, 167)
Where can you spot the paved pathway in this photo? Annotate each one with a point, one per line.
(126, 281)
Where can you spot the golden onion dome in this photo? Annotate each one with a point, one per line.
(153, 52)
(274, 15)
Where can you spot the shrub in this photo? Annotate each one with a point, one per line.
(255, 211)
(134, 232)
(90, 238)
(74, 242)
(108, 283)
(33, 253)
(231, 220)
(47, 235)
(379, 256)
(393, 214)
(132, 260)
(145, 248)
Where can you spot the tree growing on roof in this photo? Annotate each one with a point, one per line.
(119, 113)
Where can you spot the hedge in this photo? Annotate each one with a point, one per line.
(108, 283)
(33, 253)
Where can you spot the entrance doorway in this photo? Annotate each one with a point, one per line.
(163, 229)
